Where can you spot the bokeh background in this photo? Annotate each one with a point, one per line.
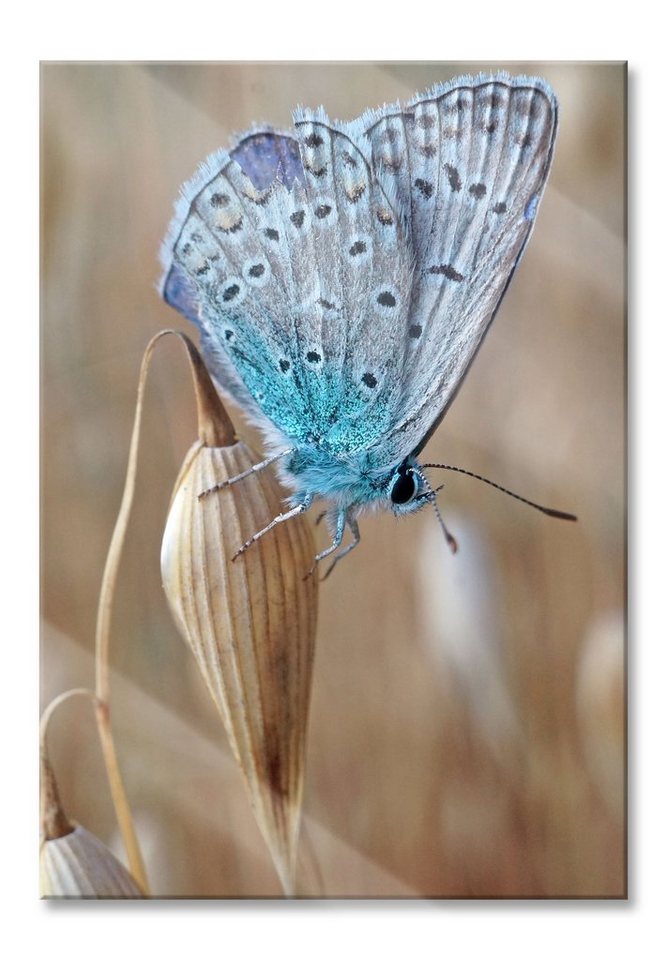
(467, 734)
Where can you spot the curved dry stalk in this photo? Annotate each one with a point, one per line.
(210, 434)
(214, 430)
(54, 821)
(53, 705)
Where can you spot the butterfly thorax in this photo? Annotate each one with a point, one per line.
(345, 480)
(353, 483)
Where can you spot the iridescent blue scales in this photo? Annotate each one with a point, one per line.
(343, 276)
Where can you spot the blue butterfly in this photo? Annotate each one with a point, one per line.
(343, 276)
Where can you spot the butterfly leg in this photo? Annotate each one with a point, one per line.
(281, 518)
(246, 473)
(354, 527)
(337, 540)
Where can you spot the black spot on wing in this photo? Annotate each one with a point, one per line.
(446, 270)
(453, 177)
(315, 171)
(233, 228)
(424, 187)
(231, 292)
(477, 190)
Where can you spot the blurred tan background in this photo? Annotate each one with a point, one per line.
(467, 723)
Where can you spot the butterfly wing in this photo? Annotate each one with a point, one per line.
(289, 256)
(218, 229)
(343, 278)
(264, 155)
(466, 165)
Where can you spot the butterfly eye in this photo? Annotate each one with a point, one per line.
(404, 487)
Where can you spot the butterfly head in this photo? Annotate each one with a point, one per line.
(408, 489)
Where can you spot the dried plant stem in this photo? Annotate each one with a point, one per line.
(53, 706)
(209, 433)
(119, 797)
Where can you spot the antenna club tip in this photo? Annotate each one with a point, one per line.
(561, 515)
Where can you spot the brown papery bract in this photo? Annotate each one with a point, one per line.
(250, 623)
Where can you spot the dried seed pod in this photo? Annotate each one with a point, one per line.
(79, 865)
(250, 624)
(73, 862)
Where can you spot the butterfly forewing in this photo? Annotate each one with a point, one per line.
(468, 163)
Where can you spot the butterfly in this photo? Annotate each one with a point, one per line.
(343, 276)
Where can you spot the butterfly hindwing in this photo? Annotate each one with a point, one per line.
(266, 155)
(221, 251)
(290, 278)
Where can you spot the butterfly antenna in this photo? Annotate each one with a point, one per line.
(430, 494)
(550, 512)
